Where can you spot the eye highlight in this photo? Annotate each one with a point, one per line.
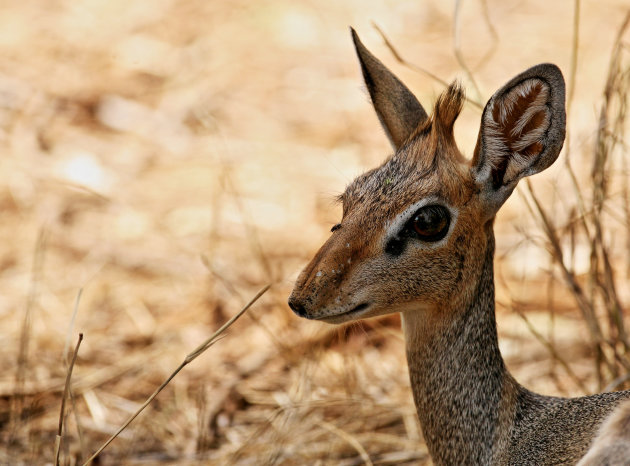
(430, 223)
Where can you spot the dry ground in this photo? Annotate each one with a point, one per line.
(169, 158)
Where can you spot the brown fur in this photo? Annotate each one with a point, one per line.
(471, 409)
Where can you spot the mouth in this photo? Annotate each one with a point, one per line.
(358, 308)
(345, 316)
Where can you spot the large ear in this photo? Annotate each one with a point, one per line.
(522, 132)
(398, 110)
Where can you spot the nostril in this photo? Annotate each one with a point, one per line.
(297, 307)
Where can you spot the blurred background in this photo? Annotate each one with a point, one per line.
(169, 158)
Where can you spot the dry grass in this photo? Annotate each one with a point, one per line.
(596, 294)
(170, 158)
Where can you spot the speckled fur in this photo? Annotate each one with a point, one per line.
(471, 409)
(611, 447)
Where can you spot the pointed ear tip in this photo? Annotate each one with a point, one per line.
(355, 38)
(552, 67)
(552, 70)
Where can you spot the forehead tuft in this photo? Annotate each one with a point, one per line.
(428, 164)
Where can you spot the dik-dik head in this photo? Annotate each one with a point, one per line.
(415, 231)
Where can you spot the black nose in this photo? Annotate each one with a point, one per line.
(297, 306)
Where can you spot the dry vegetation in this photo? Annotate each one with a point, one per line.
(165, 160)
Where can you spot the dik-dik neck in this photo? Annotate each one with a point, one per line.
(462, 391)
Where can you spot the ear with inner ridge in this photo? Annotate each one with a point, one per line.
(398, 110)
(522, 132)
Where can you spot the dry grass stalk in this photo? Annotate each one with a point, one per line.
(73, 401)
(66, 391)
(17, 394)
(412, 66)
(187, 360)
(485, 11)
(600, 301)
(575, 42)
(350, 439)
(515, 307)
(457, 49)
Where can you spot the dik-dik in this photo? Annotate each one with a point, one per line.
(416, 237)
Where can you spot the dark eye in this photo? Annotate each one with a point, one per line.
(335, 227)
(429, 223)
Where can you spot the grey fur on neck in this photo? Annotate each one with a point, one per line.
(471, 409)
